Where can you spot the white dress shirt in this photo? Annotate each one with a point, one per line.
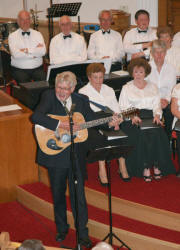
(176, 40)
(173, 58)
(176, 94)
(147, 98)
(67, 50)
(133, 36)
(105, 97)
(108, 44)
(165, 80)
(33, 58)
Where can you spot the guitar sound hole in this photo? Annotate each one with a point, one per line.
(66, 138)
(51, 143)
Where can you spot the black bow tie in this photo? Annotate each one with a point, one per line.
(68, 36)
(142, 31)
(26, 32)
(106, 31)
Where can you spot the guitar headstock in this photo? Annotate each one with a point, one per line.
(129, 113)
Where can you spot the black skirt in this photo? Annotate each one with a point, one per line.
(151, 148)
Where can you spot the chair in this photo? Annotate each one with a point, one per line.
(6, 71)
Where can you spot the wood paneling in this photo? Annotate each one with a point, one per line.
(18, 150)
(169, 14)
(162, 12)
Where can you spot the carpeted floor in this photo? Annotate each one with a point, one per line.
(22, 223)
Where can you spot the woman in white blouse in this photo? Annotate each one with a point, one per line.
(163, 75)
(175, 109)
(103, 95)
(151, 143)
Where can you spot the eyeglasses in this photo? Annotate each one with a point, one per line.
(64, 89)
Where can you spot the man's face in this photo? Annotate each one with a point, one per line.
(166, 38)
(105, 21)
(65, 25)
(63, 91)
(159, 55)
(24, 20)
(142, 22)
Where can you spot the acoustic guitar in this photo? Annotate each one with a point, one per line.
(53, 142)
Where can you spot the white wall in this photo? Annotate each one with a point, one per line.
(9, 8)
(89, 9)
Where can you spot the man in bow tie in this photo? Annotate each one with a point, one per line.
(106, 43)
(67, 46)
(27, 48)
(137, 41)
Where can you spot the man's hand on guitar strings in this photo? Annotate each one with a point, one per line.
(65, 126)
(116, 120)
(136, 120)
(157, 120)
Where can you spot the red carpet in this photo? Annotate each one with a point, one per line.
(102, 216)
(163, 194)
(22, 223)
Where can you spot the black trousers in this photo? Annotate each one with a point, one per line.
(178, 147)
(27, 75)
(168, 120)
(58, 179)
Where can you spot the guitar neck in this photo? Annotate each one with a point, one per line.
(128, 113)
(95, 123)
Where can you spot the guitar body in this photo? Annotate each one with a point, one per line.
(51, 144)
(54, 142)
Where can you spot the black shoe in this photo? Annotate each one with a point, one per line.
(124, 179)
(61, 236)
(86, 242)
(178, 174)
(102, 183)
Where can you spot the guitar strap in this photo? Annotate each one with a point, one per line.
(103, 108)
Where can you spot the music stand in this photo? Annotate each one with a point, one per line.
(58, 10)
(109, 153)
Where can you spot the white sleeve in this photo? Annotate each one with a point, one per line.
(157, 105)
(123, 99)
(92, 48)
(176, 91)
(171, 85)
(114, 102)
(176, 40)
(119, 51)
(38, 51)
(129, 47)
(82, 51)
(14, 47)
(53, 52)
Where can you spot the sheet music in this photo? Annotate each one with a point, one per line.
(9, 108)
(107, 64)
(113, 137)
(121, 73)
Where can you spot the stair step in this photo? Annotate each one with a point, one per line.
(143, 213)
(134, 233)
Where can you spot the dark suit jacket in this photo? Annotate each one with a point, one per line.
(49, 104)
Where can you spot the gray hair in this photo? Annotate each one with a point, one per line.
(103, 11)
(32, 244)
(68, 77)
(158, 44)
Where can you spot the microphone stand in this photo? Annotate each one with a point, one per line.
(75, 181)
